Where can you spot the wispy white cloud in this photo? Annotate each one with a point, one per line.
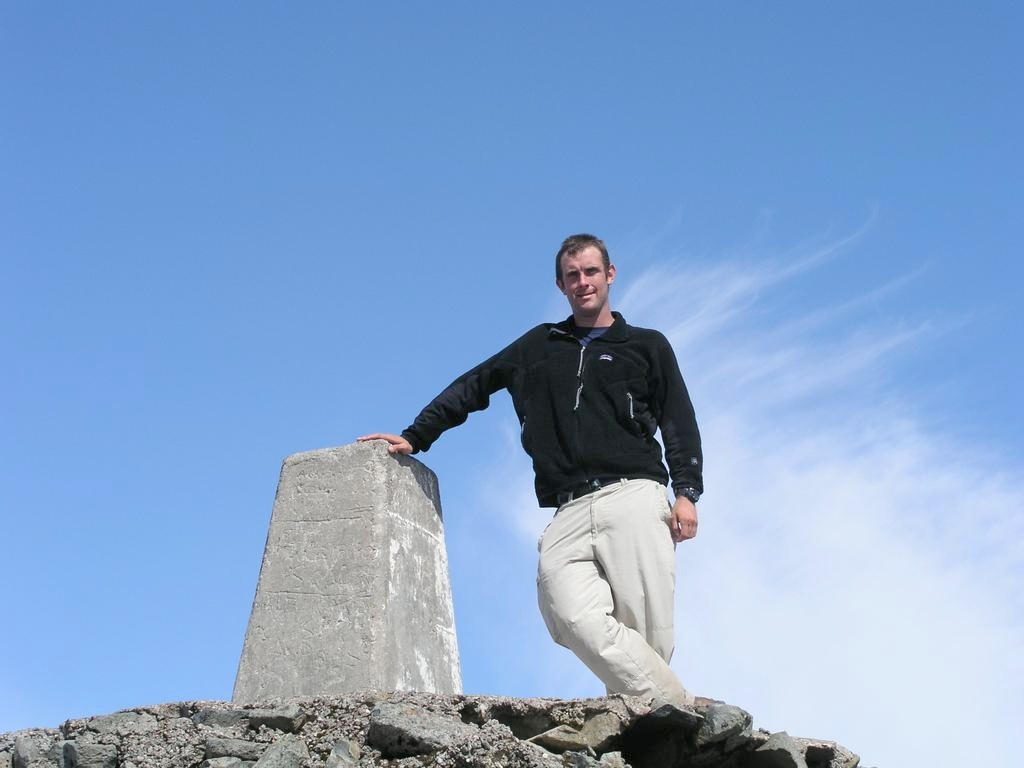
(857, 574)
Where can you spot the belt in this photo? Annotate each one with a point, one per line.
(590, 486)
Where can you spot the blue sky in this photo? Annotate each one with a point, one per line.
(236, 231)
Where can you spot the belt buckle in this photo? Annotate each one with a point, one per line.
(588, 487)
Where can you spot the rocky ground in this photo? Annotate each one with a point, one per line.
(413, 730)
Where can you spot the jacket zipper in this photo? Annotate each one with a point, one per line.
(629, 396)
(575, 409)
(579, 377)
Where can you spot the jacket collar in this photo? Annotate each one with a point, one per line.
(619, 330)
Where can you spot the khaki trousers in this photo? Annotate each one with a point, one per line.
(606, 584)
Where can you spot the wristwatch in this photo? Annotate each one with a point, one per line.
(691, 493)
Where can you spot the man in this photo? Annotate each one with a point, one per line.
(590, 392)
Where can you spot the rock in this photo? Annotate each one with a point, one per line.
(529, 755)
(669, 716)
(528, 717)
(246, 750)
(584, 760)
(223, 762)
(403, 730)
(757, 738)
(667, 719)
(172, 710)
(26, 752)
(780, 751)
(37, 750)
(122, 723)
(287, 752)
(828, 754)
(662, 737)
(596, 734)
(80, 753)
(220, 718)
(721, 722)
(288, 719)
(413, 730)
(344, 754)
(523, 717)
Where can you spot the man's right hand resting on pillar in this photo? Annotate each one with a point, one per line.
(396, 443)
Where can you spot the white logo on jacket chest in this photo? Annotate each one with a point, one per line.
(605, 357)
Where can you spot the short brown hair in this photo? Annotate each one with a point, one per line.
(576, 243)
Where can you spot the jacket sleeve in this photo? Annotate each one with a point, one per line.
(470, 392)
(677, 422)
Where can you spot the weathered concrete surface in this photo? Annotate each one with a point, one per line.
(354, 591)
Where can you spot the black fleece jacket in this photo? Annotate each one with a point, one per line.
(586, 412)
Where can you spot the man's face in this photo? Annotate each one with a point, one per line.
(585, 282)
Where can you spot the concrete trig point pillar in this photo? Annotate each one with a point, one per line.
(353, 593)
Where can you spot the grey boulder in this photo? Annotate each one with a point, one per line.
(595, 734)
(344, 754)
(780, 751)
(287, 752)
(89, 754)
(288, 718)
(37, 750)
(403, 730)
(246, 750)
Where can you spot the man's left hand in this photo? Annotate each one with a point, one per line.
(684, 519)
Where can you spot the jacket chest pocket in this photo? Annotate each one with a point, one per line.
(637, 416)
(623, 404)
